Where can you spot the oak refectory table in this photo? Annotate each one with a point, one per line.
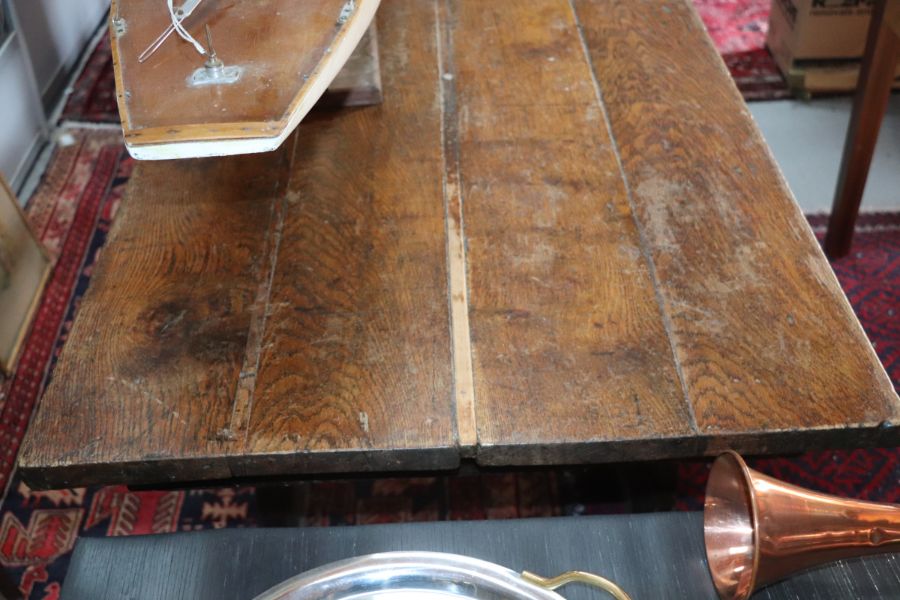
(560, 239)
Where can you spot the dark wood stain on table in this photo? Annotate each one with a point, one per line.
(149, 379)
(560, 239)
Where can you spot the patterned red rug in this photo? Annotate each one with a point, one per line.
(737, 27)
(73, 209)
(93, 97)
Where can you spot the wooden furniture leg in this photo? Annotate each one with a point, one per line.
(876, 79)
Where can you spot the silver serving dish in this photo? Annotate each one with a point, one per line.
(426, 576)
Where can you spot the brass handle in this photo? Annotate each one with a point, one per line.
(577, 577)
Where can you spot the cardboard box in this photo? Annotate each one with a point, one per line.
(818, 29)
(808, 79)
(818, 44)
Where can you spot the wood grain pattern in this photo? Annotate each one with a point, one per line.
(570, 355)
(559, 239)
(355, 369)
(271, 319)
(764, 336)
(146, 388)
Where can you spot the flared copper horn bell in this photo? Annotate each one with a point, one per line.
(759, 530)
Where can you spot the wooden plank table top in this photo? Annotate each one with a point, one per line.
(560, 239)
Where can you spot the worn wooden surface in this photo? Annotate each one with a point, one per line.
(355, 356)
(559, 239)
(762, 334)
(568, 344)
(147, 389)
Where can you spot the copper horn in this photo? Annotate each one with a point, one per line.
(759, 530)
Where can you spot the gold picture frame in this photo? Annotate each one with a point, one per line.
(24, 269)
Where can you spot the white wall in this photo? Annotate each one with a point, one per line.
(56, 32)
(53, 33)
(21, 120)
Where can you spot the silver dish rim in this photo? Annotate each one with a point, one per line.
(374, 573)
